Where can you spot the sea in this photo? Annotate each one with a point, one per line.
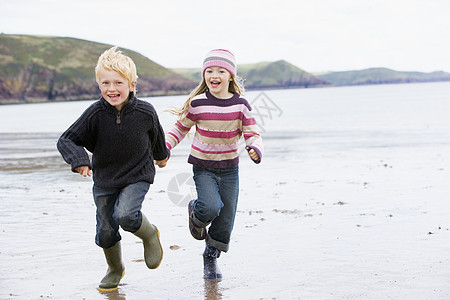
(304, 119)
(47, 210)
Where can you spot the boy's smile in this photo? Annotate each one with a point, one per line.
(115, 88)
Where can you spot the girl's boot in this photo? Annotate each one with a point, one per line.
(116, 269)
(153, 251)
(197, 232)
(210, 267)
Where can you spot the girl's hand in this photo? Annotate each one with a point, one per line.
(84, 171)
(161, 163)
(253, 154)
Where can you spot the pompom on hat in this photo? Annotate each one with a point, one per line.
(220, 58)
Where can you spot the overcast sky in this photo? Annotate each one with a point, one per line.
(314, 35)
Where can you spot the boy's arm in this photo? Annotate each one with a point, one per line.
(84, 171)
(70, 145)
(162, 163)
(159, 149)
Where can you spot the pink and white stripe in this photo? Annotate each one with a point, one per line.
(219, 126)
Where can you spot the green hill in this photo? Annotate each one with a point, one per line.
(278, 74)
(44, 68)
(263, 75)
(382, 76)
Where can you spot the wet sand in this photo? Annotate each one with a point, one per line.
(332, 224)
(352, 202)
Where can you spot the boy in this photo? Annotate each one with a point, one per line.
(125, 138)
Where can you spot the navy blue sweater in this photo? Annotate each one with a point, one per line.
(123, 145)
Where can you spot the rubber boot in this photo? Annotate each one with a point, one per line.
(210, 267)
(153, 252)
(116, 269)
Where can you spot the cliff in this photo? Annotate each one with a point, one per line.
(43, 68)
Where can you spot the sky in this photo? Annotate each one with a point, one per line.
(314, 35)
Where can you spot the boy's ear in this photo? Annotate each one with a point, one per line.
(133, 86)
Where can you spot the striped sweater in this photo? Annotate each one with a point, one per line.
(219, 125)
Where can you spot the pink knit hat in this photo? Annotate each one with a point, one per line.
(220, 58)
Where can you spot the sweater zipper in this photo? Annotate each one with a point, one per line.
(118, 118)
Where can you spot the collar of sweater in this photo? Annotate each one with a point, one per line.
(212, 97)
(129, 106)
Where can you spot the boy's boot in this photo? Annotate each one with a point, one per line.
(210, 267)
(197, 232)
(116, 269)
(153, 251)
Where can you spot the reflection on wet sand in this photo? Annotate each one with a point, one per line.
(113, 295)
(212, 289)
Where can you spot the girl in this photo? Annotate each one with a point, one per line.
(221, 116)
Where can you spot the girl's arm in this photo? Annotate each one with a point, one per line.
(253, 154)
(252, 137)
(179, 131)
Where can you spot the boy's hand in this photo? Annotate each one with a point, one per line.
(253, 154)
(84, 171)
(161, 163)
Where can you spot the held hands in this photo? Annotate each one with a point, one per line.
(253, 154)
(161, 163)
(84, 171)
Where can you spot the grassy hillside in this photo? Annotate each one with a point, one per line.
(382, 76)
(44, 68)
(279, 74)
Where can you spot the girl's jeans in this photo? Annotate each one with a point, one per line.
(217, 197)
(118, 206)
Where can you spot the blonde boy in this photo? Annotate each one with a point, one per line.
(125, 138)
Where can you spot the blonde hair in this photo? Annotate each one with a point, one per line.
(114, 60)
(236, 86)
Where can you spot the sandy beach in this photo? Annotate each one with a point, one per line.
(339, 212)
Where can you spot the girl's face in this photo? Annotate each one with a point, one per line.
(218, 80)
(115, 88)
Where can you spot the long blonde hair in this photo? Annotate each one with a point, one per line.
(236, 86)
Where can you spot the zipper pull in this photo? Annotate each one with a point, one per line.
(118, 118)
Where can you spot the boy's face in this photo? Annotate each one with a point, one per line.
(115, 88)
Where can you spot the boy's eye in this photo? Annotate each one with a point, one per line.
(116, 83)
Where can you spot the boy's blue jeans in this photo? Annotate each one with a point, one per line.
(216, 203)
(118, 207)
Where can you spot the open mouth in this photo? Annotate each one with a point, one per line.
(114, 97)
(215, 83)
